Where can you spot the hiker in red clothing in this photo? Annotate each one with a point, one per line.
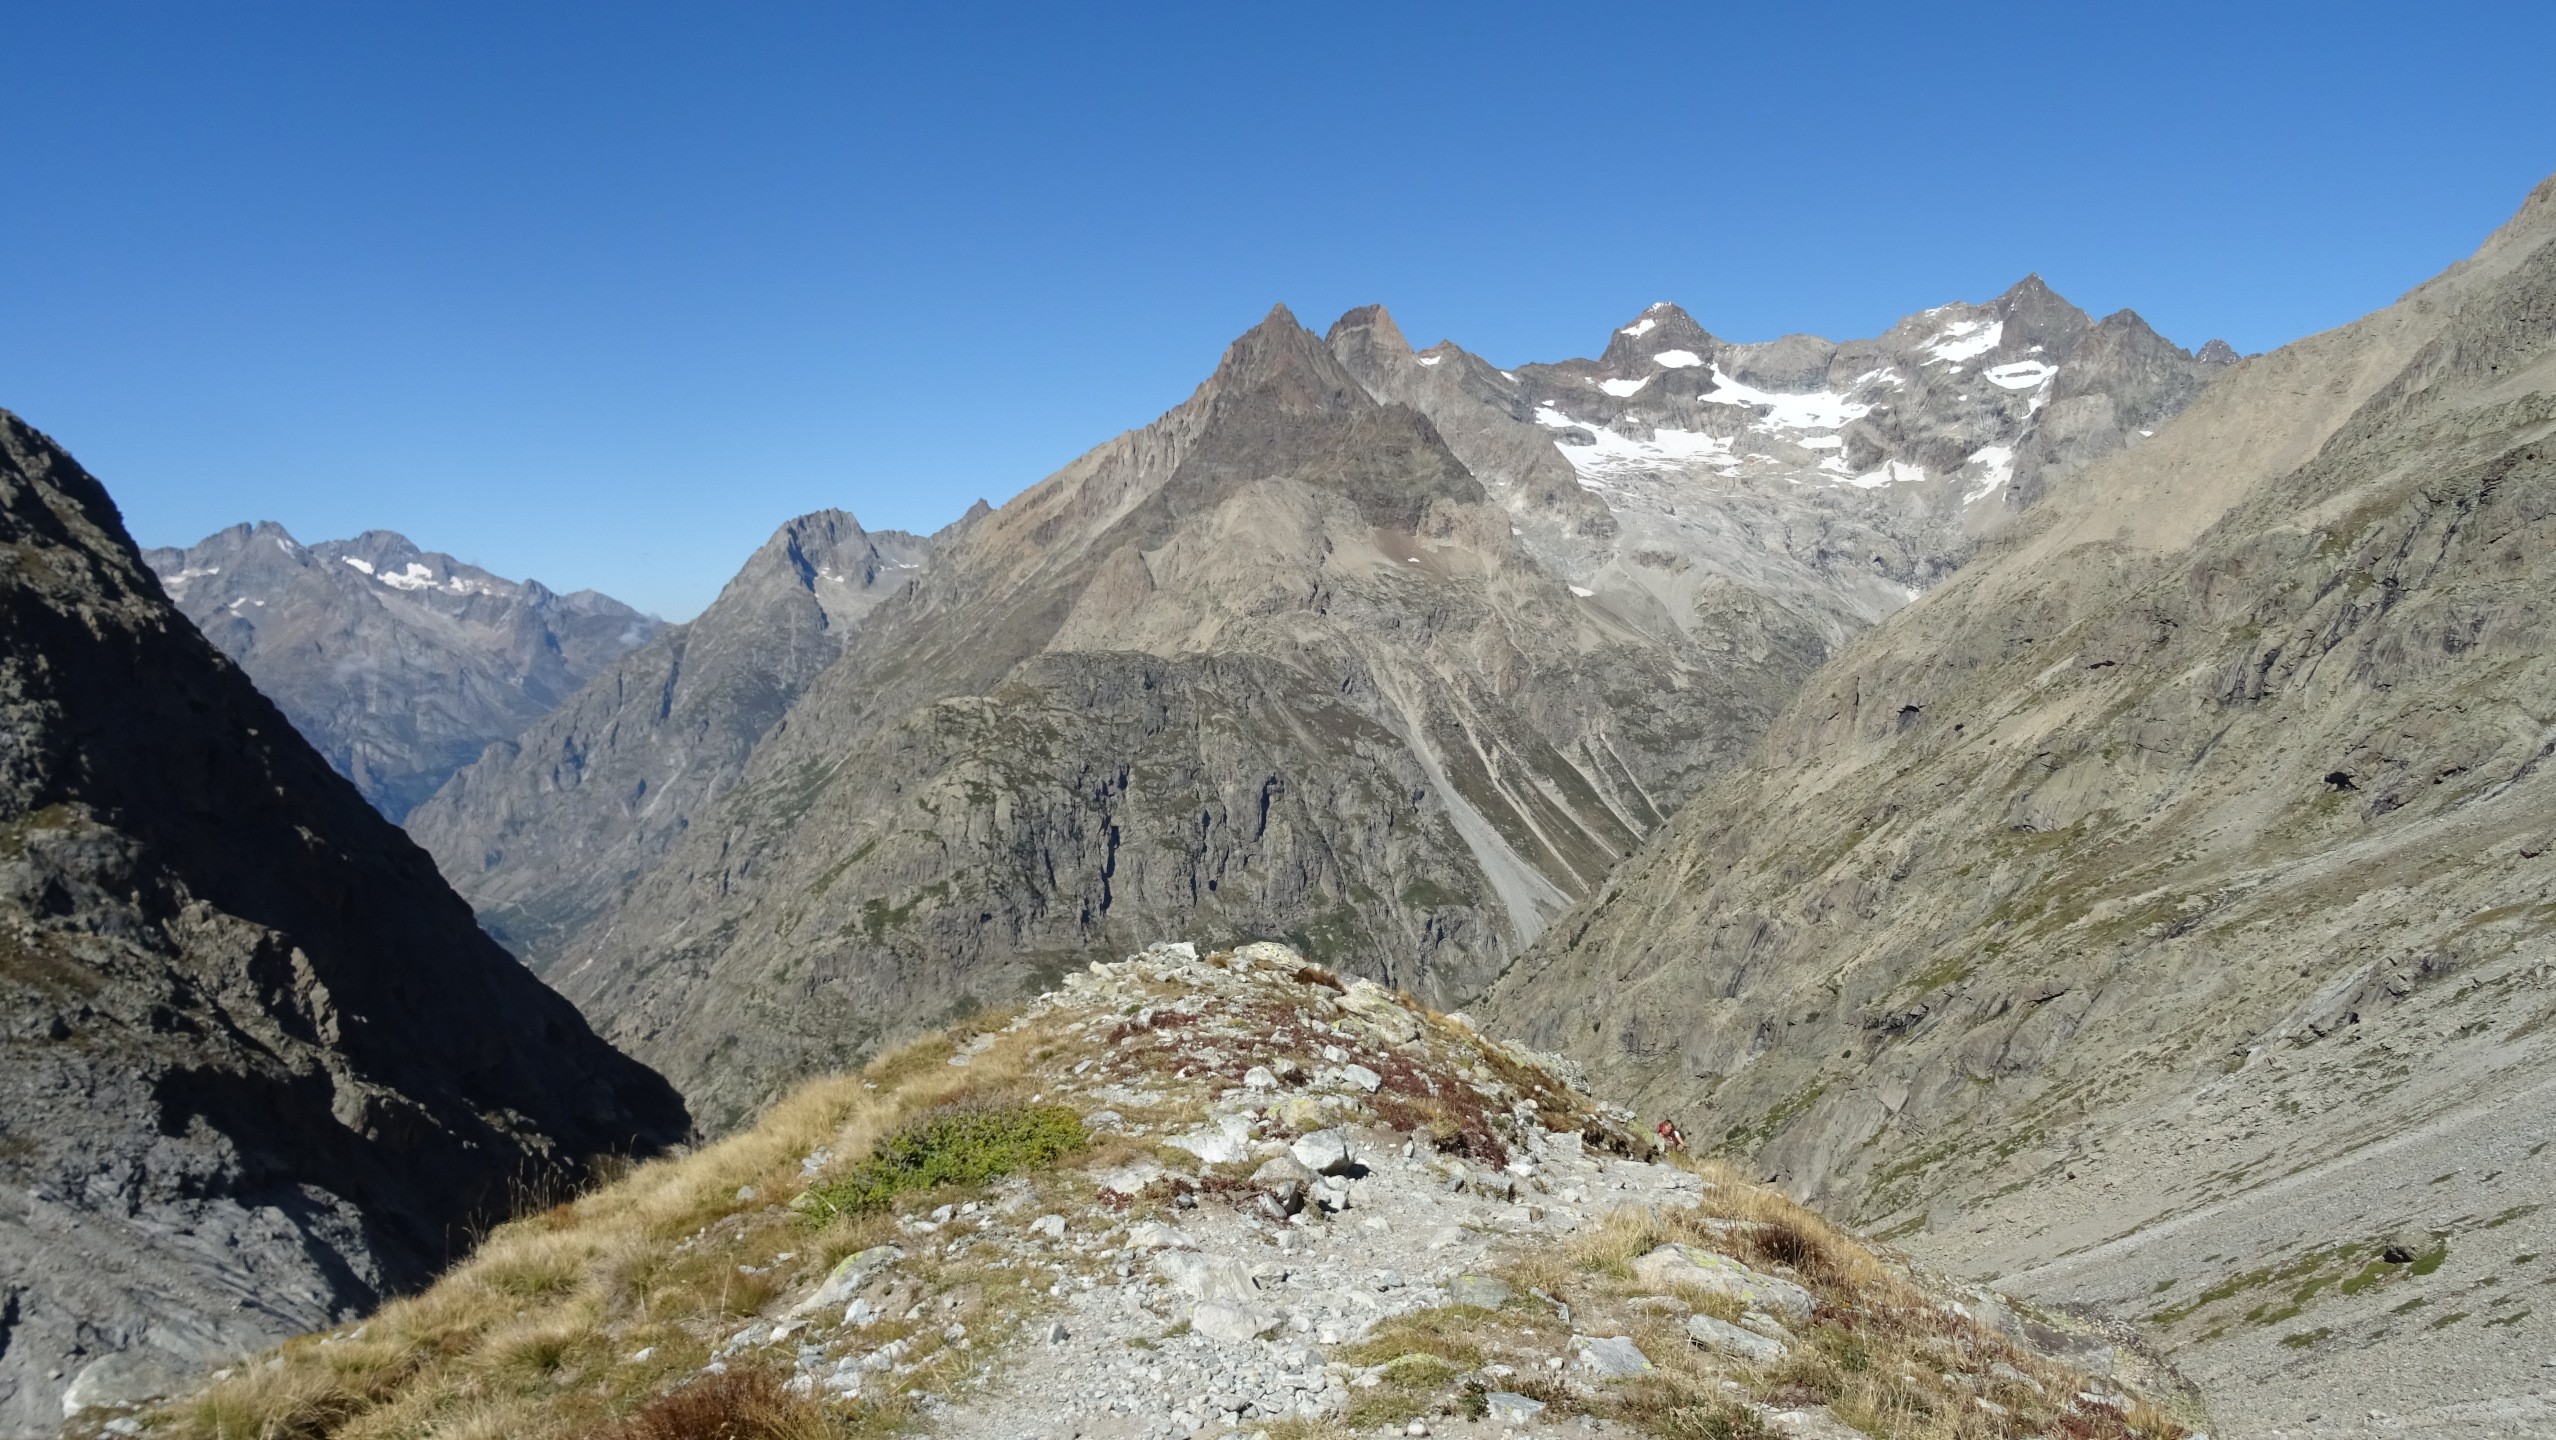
(1671, 1138)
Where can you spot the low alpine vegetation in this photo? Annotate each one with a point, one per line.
(963, 1145)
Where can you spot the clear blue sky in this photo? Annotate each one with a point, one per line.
(603, 292)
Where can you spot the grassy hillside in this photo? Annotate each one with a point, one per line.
(971, 1234)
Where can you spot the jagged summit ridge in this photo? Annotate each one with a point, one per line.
(1663, 335)
(399, 664)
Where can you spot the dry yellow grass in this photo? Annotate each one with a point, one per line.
(538, 1334)
(1882, 1353)
(532, 1336)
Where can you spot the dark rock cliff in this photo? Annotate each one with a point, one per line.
(257, 1063)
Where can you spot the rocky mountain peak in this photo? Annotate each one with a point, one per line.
(2034, 314)
(1662, 329)
(2217, 704)
(1367, 341)
(1280, 363)
(2217, 352)
(1372, 319)
(622, 766)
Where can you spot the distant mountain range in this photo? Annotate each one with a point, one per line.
(399, 664)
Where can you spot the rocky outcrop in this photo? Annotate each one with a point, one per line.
(399, 665)
(2154, 912)
(1192, 1194)
(257, 1065)
(546, 830)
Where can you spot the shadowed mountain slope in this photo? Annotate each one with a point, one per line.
(257, 1065)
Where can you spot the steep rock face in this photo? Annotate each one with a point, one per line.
(1828, 483)
(257, 1064)
(1274, 662)
(399, 665)
(547, 829)
(2159, 907)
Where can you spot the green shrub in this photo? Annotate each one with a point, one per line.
(962, 1145)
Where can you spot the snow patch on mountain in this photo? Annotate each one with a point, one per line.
(1966, 339)
(1892, 472)
(1998, 467)
(2021, 375)
(1610, 455)
(1816, 410)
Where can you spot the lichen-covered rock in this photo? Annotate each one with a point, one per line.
(1731, 1340)
(1611, 1357)
(1672, 1267)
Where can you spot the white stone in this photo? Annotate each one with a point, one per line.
(1228, 1142)
(1361, 1078)
(1258, 1077)
(1506, 1408)
(1232, 1324)
(1051, 1226)
(1208, 1277)
(848, 1275)
(1324, 1152)
(1131, 1179)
